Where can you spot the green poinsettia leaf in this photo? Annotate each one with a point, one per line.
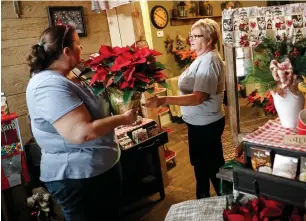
(164, 84)
(143, 68)
(128, 93)
(150, 90)
(159, 65)
(108, 63)
(141, 85)
(118, 77)
(98, 89)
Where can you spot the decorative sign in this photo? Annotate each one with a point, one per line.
(9, 133)
(299, 140)
(244, 27)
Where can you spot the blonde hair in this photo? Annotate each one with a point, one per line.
(209, 28)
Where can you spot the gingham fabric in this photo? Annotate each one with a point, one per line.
(124, 129)
(208, 209)
(272, 134)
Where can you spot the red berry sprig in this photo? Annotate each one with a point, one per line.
(276, 54)
(294, 53)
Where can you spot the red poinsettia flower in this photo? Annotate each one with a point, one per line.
(120, 62)
(106, 51)
(100, 75)
(155, 53)
(128, 68)
(119, 50)
(127, 75)
(142, 53)
(142, 77)
(160, 76)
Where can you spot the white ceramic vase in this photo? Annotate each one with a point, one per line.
(288, 107)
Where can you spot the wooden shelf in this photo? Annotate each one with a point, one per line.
(191, 20)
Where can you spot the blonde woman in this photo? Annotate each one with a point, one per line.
(202, 91)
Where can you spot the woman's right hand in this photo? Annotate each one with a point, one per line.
(155, 101)
(130, 116)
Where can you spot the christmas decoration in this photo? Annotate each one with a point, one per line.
(264, 101)
(230, 4)
(40, 203)
(246, 27)
(129, 69)
(180, 50)
(261, 209)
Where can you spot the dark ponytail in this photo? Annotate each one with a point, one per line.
(37, 59)
(50, 47)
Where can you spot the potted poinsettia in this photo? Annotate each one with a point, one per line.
(264, 101)
(124, 73)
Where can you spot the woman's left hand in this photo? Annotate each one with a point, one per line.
(155, 101)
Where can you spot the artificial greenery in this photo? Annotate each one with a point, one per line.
(282, 49)
(269, 49)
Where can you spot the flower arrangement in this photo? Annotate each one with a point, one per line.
(264, 101)
(230, 4)
(184, 57)
(130, 69)
(276, 56)
(181, 50)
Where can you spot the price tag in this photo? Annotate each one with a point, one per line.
(296, 140)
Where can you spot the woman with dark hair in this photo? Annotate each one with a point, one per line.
(79, 163)
(202, 87)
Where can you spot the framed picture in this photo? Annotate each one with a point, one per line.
(73, 16)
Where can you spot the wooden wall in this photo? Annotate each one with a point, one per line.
(19, 34)
(183, 30)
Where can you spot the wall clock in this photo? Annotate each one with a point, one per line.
(159, 17)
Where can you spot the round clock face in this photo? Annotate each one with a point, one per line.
(159, 17)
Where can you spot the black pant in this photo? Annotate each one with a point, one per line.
(97, 198)
(206, 155)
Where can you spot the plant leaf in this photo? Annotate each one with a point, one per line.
(150, 90)
(118, 77)
(128, 93)
(164, 84)
(159, 65)
(98, 89)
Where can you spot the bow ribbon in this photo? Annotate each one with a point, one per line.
(282, 73)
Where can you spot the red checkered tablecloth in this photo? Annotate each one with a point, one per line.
(124, 129)
(272, 134)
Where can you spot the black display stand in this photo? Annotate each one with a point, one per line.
(292, 192)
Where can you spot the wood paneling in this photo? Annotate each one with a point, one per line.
(191, 20)
(19, 34)
(232, 93)
(18, 42)
(14, 79)
(17, 103)
(24, 128)
(30, 9)
(137, 18)
(20, 28)
(15, 55)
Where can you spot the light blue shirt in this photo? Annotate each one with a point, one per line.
(205, 74)
(50, 96)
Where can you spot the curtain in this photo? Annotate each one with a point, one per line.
(105, 4)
